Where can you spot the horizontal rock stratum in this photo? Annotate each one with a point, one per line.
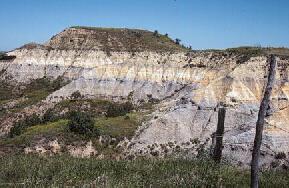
(188, 85)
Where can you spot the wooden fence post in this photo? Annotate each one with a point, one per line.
(219, 135)
(260, 123)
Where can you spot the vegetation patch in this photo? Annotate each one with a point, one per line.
(82, 123)
(244, 53)
(62, 171)
(29, 94)
(121, 109)
(247, 50)
(95, 107)
(34, 133)
(121, 126)
(74, 132)
(20, 126)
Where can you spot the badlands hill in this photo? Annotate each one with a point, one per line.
(175, 92)
(111, 40)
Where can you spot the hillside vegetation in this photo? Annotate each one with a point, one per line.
(113, 121)
(253, 51)
(61, 171)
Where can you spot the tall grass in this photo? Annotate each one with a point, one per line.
(30, 170)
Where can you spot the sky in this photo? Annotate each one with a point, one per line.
(202, 24)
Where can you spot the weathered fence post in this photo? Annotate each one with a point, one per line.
(219, 134)
(260, 122)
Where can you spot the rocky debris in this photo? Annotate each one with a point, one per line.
(10, 118)
(44, 147)
(54, 146)
(86, 151)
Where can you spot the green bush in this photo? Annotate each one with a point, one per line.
(17, 129)
(49, 116)
(115, 110)
(82, 123)
(156, 33)
(20, 126)
(178, 41)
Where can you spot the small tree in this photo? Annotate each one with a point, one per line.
(167, 35)
(178, 41)
(156, 33)
(17, 129)
(82, 123)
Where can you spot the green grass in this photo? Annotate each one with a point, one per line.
(61, 171)
(246, 50)
(252, 51)
(50, 129)
(118, 127)
(114, 127)
(96, 106)
(258, 51)
(244, 53)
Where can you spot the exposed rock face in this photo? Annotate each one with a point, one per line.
(189, 87)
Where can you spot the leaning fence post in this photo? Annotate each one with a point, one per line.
(260, 123)
(217, 155)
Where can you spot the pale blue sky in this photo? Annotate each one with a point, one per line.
(200, 23)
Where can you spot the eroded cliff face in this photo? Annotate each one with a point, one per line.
(187, 86)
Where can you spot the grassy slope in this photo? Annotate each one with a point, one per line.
(51, 129)
(61, 171)
(116, 127)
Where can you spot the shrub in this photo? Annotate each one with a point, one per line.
(178, 41)
(82, 123)
(280, 155)
(156, 33)
(115, 110)
(17, 129)
(49, 116)
(76, 95)
(20, 126)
